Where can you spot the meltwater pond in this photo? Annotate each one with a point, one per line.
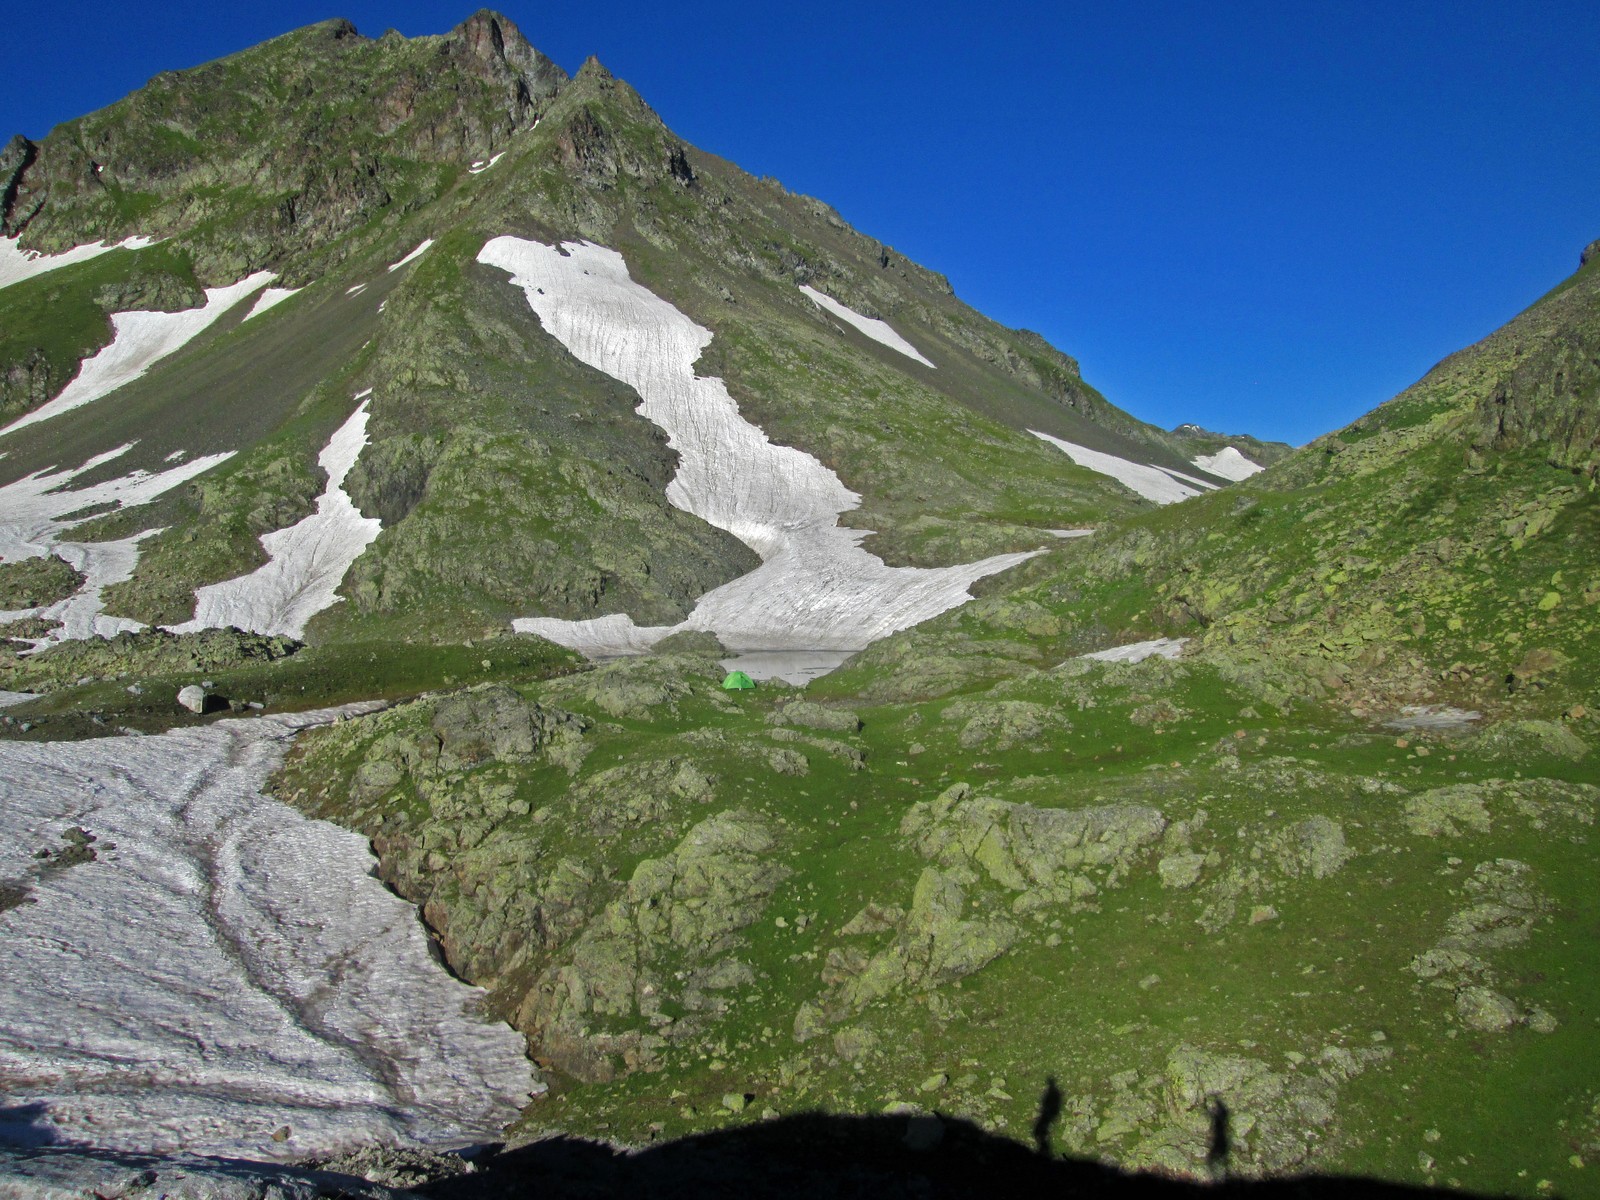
(798, 667)
(189, 965)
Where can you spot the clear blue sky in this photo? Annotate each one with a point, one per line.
(1262, 217)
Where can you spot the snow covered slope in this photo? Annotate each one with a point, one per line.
(1153, 483)
(17, 264)
(1228, 463)
(306, 562)
(139, 341)
(878, 331)
(816, 588)
(224, 966)
(33, 518)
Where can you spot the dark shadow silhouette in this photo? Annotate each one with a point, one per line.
(1221, 1142)
(1049, 1110)
(23, 1126)
(849, 1158)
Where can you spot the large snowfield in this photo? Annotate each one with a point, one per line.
(139, 341)
(224, 967)
(306, 562)
(17, 264)
(816, 589)
(33, 512)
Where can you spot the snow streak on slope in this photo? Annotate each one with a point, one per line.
(17, 265)
(139, 341)
(1136, 652)
(816, 588)
(1228, 463)
(1150, 482)
(878, 331)
(225, 966)
(269, 299)
(31, 524)
(306, 562)
(413, 256)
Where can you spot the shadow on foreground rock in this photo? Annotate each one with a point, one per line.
(845, 1158)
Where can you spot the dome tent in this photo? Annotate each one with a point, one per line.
(737, 680)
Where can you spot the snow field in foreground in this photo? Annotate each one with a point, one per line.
(878, 331)
(1229, 464)
(31, 526)
(816, 589)
(17, 264)
(140, 340)
(305, 562)
(1153, 483)
(225, 966)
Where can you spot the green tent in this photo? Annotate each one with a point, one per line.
(737, 680)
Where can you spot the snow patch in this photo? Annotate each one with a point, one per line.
(1228, 463)
(1210, 487)
(816, 589)
(306, 562)
(479, 167)
(1070, 533)
(270, 298)
(1433, 716)
(139, 340)
(878, 331)
(37, 509)
(798, 667)
(413, 256)
(7, 699)
(1150, 482)
(225, 966)
(1135, 652)
(17, 264)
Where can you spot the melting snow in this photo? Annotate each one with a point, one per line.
(798, 667)
(306, 562)
(479, 167)
(1433, 716)
(816, 588)
(1070, 533)
(413, 256)
(878, 331)
(270, 298)
(1135, 652)
(17, 264)
(139, 340)
(1150, 482)
(1228, 463)
(35, 512)
(225, 966)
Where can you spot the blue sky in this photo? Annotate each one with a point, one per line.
(1264, 218)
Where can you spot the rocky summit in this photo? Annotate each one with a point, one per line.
(410, 454)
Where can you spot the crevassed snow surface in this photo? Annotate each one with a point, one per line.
(413, 256)
(878, 331)
(1228, 463)
(225, 966)
(270, 298)
(17, 264)
(1150, 482)
(1135, 652)
(306, 562)
(139, 341)
(32, 521)
(816, 589)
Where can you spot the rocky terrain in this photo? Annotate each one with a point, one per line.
(1296, 880)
